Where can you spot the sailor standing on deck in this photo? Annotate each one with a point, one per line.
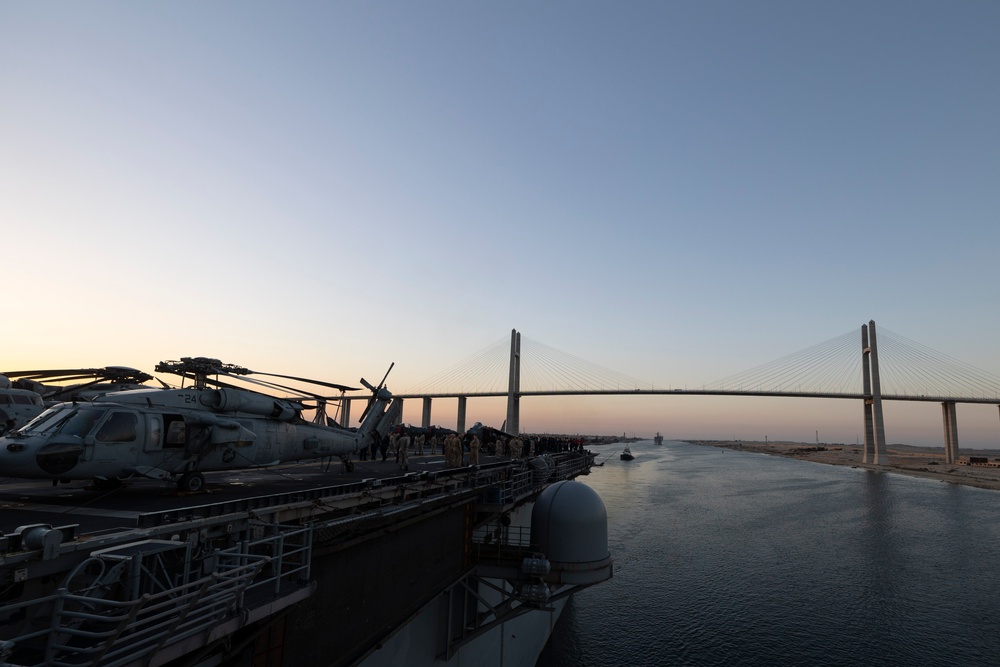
(384, 446)
(446, 450)
(474, 451)
(452, 446)
(515, 448)
(403, 452)
(420, 444)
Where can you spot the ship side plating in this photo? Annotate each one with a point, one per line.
(438, 564)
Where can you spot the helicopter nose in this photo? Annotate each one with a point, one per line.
(60, 456)
(14, 459)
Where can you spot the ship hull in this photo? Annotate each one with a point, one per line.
(513, 644)
(435, 567)
(421, 640)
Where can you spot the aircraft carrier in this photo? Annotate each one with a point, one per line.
(301, 565)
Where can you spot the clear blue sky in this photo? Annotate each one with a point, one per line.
(678, 191)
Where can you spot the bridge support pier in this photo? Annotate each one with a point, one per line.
(460, 426)
(514, 385)
(869, 450)
(950, 419)
(875, 450)
(425, 418)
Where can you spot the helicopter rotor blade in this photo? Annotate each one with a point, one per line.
(275, 385)
(202, 367)
(69, 378)
(72, 388)
(374, 390)
(299, 394)
(382, 383)
(321, 383)
(108, 373)
(54, 373)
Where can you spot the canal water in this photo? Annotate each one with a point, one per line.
(734, 558)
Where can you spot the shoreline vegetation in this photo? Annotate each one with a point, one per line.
(925, 462)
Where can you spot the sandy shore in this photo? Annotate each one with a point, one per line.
(927, 462)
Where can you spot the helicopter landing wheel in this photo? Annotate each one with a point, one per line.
(191, 481)
(349, 466)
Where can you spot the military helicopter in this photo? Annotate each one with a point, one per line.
(17, 406)
(179, 434)
(487, 434)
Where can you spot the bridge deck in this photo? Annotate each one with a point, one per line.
(708, 392)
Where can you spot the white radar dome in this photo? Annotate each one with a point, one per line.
(569, 524)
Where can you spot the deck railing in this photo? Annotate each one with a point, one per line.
(92, 629)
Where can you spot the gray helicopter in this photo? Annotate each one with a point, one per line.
(179, 434)
(17, 406)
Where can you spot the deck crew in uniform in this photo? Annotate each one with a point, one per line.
(515, 448)
(474, 451)
(452, 451)
(403, 451)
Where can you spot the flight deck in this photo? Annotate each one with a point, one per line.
(79, 502)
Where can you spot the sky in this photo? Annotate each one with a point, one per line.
(678, 191)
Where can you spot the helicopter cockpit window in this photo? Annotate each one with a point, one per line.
(81, 422)
(120, 427)
(40, 423)
(67, 421)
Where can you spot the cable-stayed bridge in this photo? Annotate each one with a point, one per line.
(849, 366)
(831, 369)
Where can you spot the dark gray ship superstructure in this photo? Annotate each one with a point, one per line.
(300, 565)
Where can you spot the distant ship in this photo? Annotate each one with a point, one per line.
(658, 439)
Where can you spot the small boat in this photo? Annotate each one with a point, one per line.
(658, 439)
(627, 454)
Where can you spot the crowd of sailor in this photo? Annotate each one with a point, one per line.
(460, 451)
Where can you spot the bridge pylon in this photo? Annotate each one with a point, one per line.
(875, 450)
(867, 382)
(950, 420)
(514, 385)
